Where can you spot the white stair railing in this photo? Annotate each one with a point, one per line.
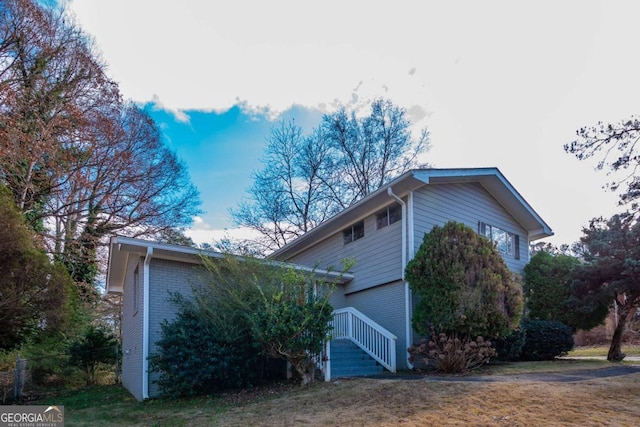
(379, 343)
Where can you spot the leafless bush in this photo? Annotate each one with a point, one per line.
(452, 354)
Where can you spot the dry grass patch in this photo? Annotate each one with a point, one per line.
(612, 401)
(368, 402)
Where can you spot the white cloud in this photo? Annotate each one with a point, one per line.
(179, 115)
(202, 232)
(497, 83)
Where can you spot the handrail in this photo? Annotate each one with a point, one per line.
(379, 343)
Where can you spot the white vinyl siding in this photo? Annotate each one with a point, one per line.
(467, 204)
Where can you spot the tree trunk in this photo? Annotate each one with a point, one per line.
(615, 351)
(305, 370)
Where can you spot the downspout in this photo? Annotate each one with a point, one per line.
(412, 250)
(145, 324)
(407, 293)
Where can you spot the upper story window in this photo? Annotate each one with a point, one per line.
(353, 232)
(389, 215)
(506, 242)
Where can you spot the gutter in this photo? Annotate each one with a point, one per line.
(407, 293)
(145, 325)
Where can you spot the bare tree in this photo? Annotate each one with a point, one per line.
(618, 145)
(289, 196)
(125, 181)
(369, 152)
(50, 84)
(306, 179)
(80, 162)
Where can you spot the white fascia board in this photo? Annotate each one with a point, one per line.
(499, 187)
(121, 248)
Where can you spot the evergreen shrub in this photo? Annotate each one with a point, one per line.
(192, 359)
(545, 339)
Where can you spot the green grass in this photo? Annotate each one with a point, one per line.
(102, 405)
(601, 351)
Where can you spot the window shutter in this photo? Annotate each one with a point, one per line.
(516, 243)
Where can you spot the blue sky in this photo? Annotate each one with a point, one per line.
(497, 83)
(221, 150)
(218, 149)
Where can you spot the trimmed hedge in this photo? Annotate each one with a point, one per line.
(509, 348)
(545, 339)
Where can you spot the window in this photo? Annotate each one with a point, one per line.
(353, 233)
(506, 242)
(389, 215)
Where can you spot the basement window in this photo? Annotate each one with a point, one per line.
(353, 232)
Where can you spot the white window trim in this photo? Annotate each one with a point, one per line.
(351, 230)
(387, 216)
(512, 246)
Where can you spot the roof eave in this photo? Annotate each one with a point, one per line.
(402, 185)
(490, 178)
(121, 248)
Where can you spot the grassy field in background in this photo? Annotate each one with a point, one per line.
(629, 350)
(392, 401)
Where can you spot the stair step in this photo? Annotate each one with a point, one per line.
(369, 361)
(349, 360)
(349, 353)
(337, 372)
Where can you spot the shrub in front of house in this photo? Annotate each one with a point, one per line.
(464, 292)
(242, 315)
(545, 339)
(463, 285)
(192, 359)
(509, 348)
(452, 354)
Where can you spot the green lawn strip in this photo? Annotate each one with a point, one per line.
(102, 405)
(601, 351)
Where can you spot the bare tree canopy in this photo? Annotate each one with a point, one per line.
(306, 179)
(80, 162)
(618, 145)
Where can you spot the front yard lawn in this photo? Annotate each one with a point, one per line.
(601, 351)
(379, 402)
